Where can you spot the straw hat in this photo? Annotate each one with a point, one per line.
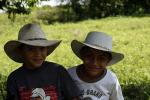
(29, 34)
(99, 41)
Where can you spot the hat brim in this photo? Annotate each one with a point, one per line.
(11, 47)
(77, 45)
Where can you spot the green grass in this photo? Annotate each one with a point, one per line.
(130, 36)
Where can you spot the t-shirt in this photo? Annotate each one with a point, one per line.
(106, 88)
(49, 82)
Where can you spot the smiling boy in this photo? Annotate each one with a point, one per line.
(36, 74)
(92, 77)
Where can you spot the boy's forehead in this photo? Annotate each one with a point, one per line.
(98, 52)
(31, 46)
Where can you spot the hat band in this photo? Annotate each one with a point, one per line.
(36, 39)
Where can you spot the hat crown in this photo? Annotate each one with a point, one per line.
(99, 39)
(31, 31)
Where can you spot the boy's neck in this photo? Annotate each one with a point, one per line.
(27, 66)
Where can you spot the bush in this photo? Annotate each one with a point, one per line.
(136, 91)
(52, 14)
(2, 87)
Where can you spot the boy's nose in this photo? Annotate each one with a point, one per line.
(95, 60)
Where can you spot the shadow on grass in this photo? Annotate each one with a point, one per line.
(137, 91)
(2, 87)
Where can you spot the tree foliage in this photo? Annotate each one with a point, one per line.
(13, 7)
(82, 9)
(103, 8)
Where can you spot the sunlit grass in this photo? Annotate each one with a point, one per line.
(130, 36)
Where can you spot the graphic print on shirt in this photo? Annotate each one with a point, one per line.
(39, 94)
(44, 93)
(87, 98)
(90, 94)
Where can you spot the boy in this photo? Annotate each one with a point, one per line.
(92, 77)
(37, 78)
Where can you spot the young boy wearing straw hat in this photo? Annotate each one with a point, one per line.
(95, 81)
(37, 78)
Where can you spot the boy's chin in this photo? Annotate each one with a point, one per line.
(95, 73)
(36, 65)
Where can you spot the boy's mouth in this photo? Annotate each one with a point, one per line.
(37, 60)
(95, 68)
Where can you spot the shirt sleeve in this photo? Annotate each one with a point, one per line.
(116, 92)
(69, 88)
(12, 93)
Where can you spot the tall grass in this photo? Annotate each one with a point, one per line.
(130, 36)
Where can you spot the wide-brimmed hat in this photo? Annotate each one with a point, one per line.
(99, 41)
(30, 34)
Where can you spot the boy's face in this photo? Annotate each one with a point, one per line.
(33, 56)
(95, 61)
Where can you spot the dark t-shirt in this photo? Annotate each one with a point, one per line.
(48, 81)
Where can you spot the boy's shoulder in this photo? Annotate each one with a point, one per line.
(53, 65)
(15, 73)
(72, 70)
(49, 65)
(110, 75)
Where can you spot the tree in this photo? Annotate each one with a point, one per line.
(96, 8)
(13, 7)
(103, 8)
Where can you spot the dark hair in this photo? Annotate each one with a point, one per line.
(84, 50)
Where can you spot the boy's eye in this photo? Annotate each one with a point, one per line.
(102, 57)
(29, 48)
(87, 55)
(32, 48)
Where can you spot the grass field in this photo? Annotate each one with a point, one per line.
(131, 36)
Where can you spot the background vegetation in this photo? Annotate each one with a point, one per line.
(130, 36)
(81, 9)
